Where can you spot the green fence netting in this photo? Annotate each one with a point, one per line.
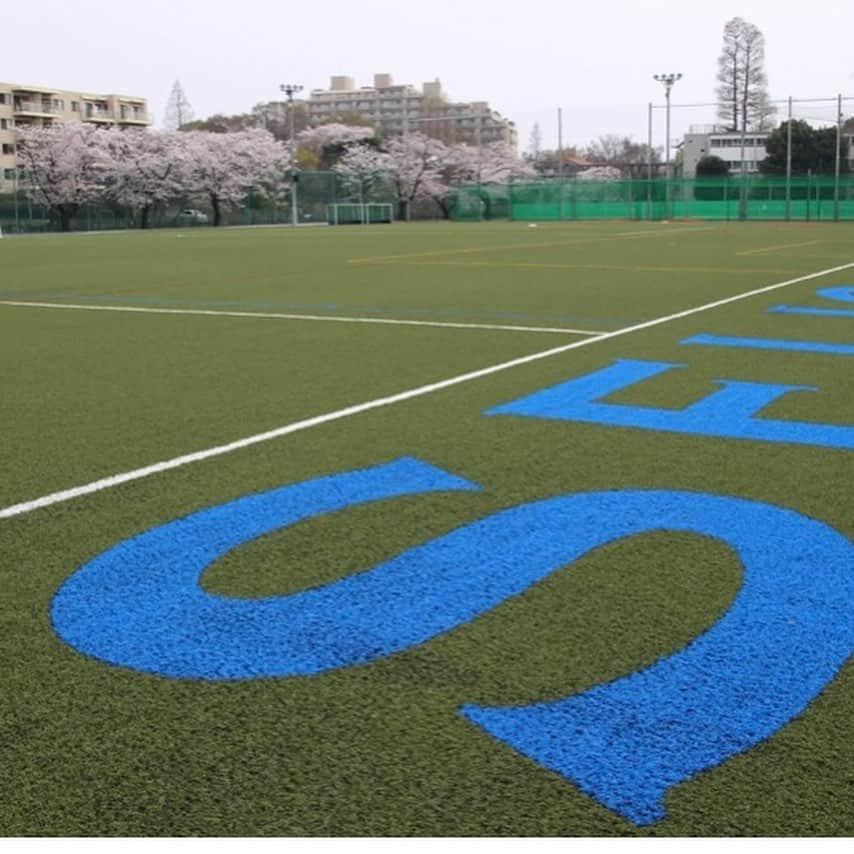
(315, 192)
(817, 198)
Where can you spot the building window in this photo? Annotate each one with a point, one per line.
(8, 148)
(3, 98)
(9, 174)
(75, 106)
(4, 124)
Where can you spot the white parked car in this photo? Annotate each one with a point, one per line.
(191, 216)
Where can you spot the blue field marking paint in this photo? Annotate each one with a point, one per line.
(789, 630)
(845, 293)
(139, 604)
(816, 312)
(727, 413)
(770, 344)
(625, 743)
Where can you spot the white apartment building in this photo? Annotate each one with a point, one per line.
(712, 140)
(22, 106)
(394, 108)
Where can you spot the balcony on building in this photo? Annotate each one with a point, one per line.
(133, 114)
(34, 103)
(97, 111)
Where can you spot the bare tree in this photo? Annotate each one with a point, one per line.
(179, 111)
(742, 92)
(622, 152)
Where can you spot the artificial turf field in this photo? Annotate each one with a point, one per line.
(365, 721)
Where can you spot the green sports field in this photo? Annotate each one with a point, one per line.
(695, 644)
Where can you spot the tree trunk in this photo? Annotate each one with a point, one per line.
(216, 209)
(66, 212)
(144, 218)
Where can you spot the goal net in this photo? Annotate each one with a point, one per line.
(356, 213)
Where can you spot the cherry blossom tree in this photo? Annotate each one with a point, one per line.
(600, 173)
(317, 138)
(63, 167)
(323, 146)
(362, 169)
(415, 168)
(495, 163)
(145, 168)
(223, 168)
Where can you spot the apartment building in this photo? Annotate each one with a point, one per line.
(395, 108)
(22, 106)
(712, 140)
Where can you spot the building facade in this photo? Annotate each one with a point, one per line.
(398, 108)
(23, 106)
(710, 140)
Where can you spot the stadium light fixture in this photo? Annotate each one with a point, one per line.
(291, 89)
(667, 80)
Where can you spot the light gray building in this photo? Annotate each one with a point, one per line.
(394, 107)
(712, 140)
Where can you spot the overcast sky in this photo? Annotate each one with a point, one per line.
(595, 60)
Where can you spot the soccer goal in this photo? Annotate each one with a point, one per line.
(357, 213)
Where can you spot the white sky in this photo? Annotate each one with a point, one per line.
(525, 58)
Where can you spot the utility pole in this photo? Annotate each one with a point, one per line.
(668, 80)
(560, 185)
(838, 158)
(291, 89)
(789, 163)
(649, 163)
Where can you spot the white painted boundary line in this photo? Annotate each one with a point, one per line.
(387, 321)
(198, 456)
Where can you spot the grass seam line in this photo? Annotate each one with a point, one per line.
(238, 444)
(386, 321)
(778, 246)
(547, 244)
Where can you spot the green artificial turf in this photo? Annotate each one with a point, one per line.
(91, 749)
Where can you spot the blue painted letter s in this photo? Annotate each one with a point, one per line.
(626, 743)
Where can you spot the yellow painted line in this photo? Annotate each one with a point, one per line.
(510, 265)
(779, 246)
(545, 244)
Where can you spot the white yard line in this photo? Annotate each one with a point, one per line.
(198, 456)
(387, 321)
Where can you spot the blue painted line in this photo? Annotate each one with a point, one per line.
(844, 293)
(727, 413)
(806, 309)
(770, 344)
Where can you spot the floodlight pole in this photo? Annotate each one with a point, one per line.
(290, 89)
(668, 80)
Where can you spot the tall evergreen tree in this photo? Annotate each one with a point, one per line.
(535, 145)
(742, 92)
(179, 111)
